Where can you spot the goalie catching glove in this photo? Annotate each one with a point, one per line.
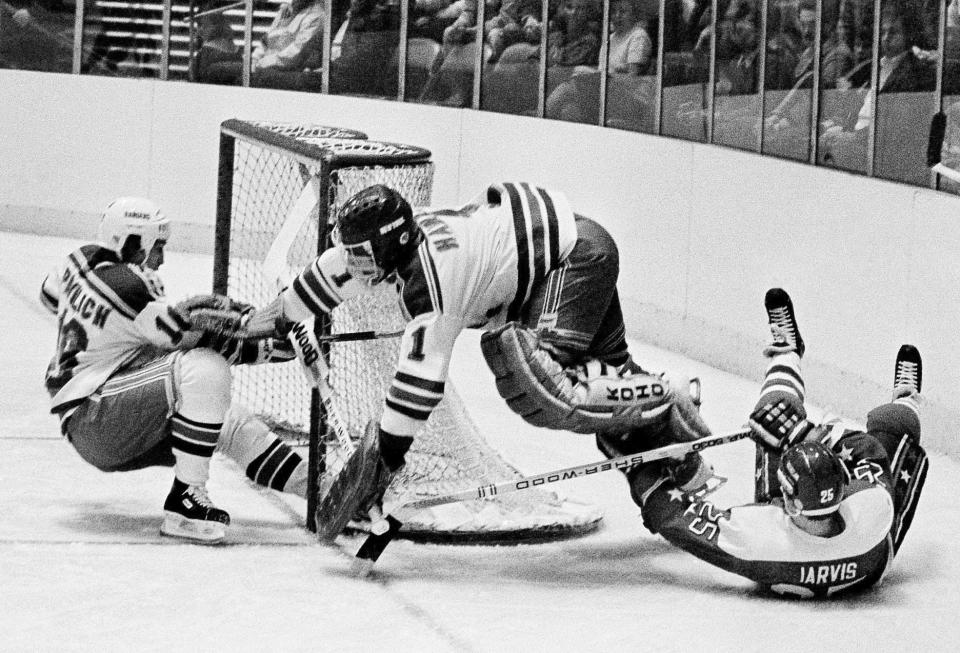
(589, 398)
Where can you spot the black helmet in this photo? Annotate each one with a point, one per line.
(377, 232)
(812, 478)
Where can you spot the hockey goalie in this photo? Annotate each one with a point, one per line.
(519, 263)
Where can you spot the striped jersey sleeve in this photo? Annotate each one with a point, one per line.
(322, 286)
(420, 377)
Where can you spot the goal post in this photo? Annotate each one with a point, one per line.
(279, 189)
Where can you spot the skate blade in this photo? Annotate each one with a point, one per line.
(204, 532)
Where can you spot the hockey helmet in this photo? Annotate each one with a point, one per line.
(133, 216)
(377, 232)
(812, 479)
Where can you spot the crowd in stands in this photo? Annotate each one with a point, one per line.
(543, 57)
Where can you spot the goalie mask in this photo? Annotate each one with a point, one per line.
(377, 233)
(133, 216)
(812, 478)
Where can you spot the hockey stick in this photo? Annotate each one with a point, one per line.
(331, 516)
(359, 335)
(938, 129)
(373, 546)
(276, 270)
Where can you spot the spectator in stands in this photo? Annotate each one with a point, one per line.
(736, 108)
(218, 55)
(574, 38)
(37, 35)
(510, 22)
(630, 56)
(630, 68)
(631, 44)
(292, 41)
(573, 47)
(370, 40)
(686, 68)
(516, 21)
(282, 58)
(903, 69)
(430, 18)
(790, 99)
(738, 49)
(788, 34)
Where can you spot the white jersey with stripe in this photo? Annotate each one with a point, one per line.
(107, 318)
(477, 266)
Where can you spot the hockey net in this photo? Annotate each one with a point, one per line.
(265, 171)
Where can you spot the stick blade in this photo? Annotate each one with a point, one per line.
(938, 128)
(373, 547)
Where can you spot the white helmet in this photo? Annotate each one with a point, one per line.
(133, 216)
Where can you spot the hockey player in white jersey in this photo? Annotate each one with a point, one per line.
(517, 262)
(841, 502)
(134, 385)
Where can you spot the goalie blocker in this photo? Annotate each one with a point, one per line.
(588, 398)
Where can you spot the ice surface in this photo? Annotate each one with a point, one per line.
(83, 567)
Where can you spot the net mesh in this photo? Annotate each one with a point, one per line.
(450, 454)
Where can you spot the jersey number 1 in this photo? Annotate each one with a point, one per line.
(416, 354)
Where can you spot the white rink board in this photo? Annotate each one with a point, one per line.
(83, 569)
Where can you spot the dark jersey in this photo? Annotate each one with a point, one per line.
(761, 542)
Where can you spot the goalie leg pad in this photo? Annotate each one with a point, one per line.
(685, 423)
(589, 399)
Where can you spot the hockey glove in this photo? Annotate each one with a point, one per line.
(214, 314)
(268, 322)
(779, 423)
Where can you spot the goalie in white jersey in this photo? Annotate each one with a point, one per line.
(135, 385)
(517, 262)
(834, 504)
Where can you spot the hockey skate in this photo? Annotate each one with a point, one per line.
(783, 324)
(189, 513)
(908, 372)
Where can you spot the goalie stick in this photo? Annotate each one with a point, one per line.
(938, 129)
(375, 543)
(339, 503)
